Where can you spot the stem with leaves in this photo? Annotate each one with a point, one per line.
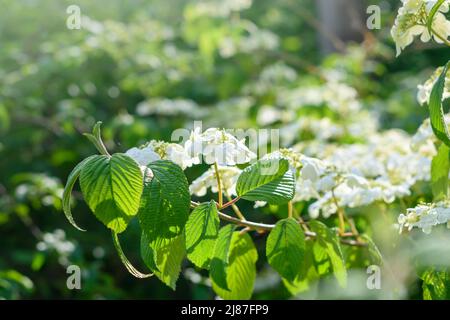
(263, 227)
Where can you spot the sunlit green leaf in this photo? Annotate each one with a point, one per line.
(267, 180)
(329, 241)
(241, 269)
(285, 248)
(202, 228)
(112, 187)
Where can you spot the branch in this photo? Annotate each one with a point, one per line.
(268, 227)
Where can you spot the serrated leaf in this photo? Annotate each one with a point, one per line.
(440, 166)
(112, 188)
(165, 201)
(329, 241)
(241, 269)
(437, 118)
(267, 180)
(73, 176)
(202, 228)
(219, 261)
(285, 248)
(307, 278)
(164, 257)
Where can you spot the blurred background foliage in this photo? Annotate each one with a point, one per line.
(145, 68)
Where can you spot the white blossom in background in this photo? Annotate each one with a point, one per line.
(218, 146)
(424, 90)
(425, 216)
(336, 95)
(411, 21)
(170, 107)
(57, 241)
(383, 169)
(228, 177)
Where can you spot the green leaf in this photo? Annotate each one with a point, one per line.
(285, 248)
(73, 176)
(131, 269)
(241, 269)
(440, 166)
(165, 202)
(329, 241)
(307, 278)
(220, 259)
(375, 256)
(164, 257)
(202, 228)
(267, 180)
(96, 138)
(112, 187)
(432, 14)
(435, 284)
(436, 108)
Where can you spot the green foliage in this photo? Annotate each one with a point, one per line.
(202, 228)
(308, 274)
(435, 284)
(162, 215)
(436, 108)
(40, 119)
(375, 256)
(220, 259)
(285, 248)
(267, 180)
(112, 188)
(440, 166)
(164, 256)
(165, 201)
(240, 269)
(329, 242)
(73, 176)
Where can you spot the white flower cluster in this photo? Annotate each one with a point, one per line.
(383, 169)
(170, 107)
(218, 146)
(157, 150)
(424, 90)
(57, 241)
(215, 145)
(336, 95)
(228, 177)
(423, 141)
(412, 19)
(425, 216)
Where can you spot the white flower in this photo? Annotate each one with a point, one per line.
(425, 216)
(411, 21)
(228, 178)
(157, 150)
(143, 156)
(424, 90)
(178, 155)
(218, 146)
(312, 169)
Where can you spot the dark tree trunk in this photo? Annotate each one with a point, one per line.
(341, 21)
